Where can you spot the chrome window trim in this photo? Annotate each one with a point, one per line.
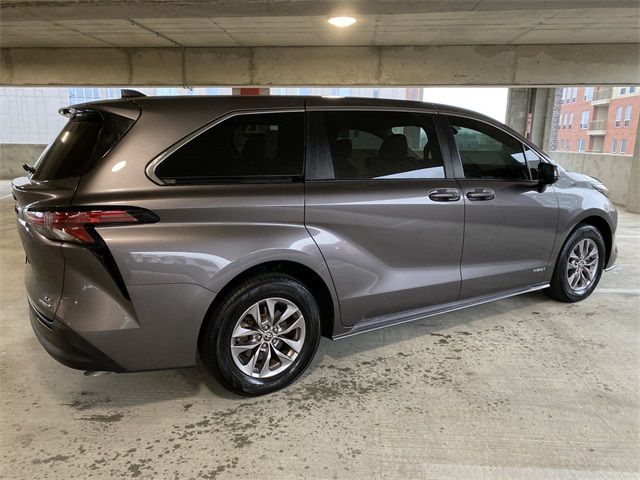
(153, 164)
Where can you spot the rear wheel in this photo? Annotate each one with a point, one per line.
(263, 336)
(579, 265)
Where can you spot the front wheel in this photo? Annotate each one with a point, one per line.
(579, 266)
(263, 335)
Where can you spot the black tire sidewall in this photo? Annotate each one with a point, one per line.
(218, 338)
(580, 234)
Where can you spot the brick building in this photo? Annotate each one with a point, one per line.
(598, 119)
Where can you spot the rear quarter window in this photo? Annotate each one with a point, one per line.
(84, 140)
(249, 145)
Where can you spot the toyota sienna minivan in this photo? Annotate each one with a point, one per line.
(242, 229)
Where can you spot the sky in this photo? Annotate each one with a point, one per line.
(490, 101)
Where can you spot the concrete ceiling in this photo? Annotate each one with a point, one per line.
(199, 23)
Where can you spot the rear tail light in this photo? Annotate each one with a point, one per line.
(78, 226)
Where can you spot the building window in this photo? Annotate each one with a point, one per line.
(563, 120)
(584, 120)
(580, 145)
(574, 94)
(618, 116)
(83, 95)
(570, 120)
(627, 116)
(623, 90)
(588, 94)
(613, 145)
(623, 145)
(632, 89)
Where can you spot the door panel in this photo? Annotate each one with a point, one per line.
(510, 225)
(389, 247)
(508, 238)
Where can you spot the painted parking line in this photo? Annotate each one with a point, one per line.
(619, 290)
(524, 473)
(627, 236)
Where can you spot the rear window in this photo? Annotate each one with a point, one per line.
(84, 140)
(248, 145)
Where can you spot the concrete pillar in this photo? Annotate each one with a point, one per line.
(530, 111)
(539, 114)
(517, 109)
(552, 120)
(633, 190)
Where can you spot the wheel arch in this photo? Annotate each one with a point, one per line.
(306, 275)
(603, 227)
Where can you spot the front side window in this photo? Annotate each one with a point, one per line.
(252, 145)
(377, 145)
(487, 152)
(533, 160)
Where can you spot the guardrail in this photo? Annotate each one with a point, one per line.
(603, 93)
(597, 125)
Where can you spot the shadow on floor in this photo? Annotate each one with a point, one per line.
(141, 388)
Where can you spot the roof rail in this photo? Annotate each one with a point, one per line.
(128, 93)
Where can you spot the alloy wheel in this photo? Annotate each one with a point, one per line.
(268, 337)
(582, 265)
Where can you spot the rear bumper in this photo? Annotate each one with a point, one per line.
(67, 347)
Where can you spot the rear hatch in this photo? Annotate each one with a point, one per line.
(47, 192)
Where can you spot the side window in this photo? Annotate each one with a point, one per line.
(253, 145)
(487, 152)
(533, 160)
(378, 145)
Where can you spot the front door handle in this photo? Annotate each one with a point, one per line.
(445, 195)
(480, 194)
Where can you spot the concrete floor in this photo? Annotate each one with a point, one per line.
(523, 388)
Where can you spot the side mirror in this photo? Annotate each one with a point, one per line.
(547, 174)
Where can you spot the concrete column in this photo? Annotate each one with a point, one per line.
(552, 120)
(530, 111)
(517, 109)
(633, 190)
(539, 114)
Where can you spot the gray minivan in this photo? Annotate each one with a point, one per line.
(243, 229)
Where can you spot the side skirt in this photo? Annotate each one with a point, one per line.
(418, 314)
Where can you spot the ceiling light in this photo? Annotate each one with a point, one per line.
(342, 21)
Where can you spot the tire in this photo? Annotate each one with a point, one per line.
(561, 288)
(233, 321)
